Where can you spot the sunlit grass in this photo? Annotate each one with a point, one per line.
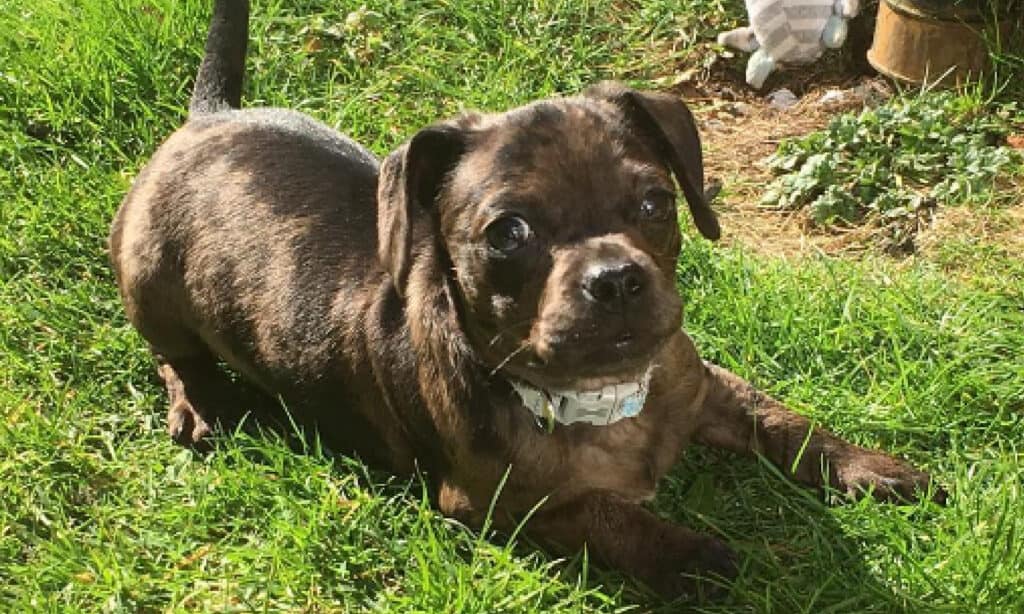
(99, 511)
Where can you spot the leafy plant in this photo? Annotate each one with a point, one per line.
(896, 162)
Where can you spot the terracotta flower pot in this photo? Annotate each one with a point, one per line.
(931, 41)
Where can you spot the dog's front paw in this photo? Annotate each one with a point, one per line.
(695, 567)
(887, 479)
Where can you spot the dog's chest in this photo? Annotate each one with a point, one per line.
(627, 457)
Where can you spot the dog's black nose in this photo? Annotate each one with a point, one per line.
(614, 285)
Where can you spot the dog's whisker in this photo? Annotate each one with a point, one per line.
(508, 358)
(508, 328)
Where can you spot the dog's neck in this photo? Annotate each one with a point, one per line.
(600, 407)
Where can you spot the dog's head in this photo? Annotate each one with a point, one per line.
(559, 224)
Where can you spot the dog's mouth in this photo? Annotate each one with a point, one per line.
(597, 379)
(538, 378)
(598, 368)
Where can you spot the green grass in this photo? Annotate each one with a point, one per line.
(100, 512)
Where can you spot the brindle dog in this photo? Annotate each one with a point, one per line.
(392, 305)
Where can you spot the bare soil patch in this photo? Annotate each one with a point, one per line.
(741, 128)
(999, 229)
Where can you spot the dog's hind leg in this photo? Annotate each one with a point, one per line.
(195, 390)
(672, 560)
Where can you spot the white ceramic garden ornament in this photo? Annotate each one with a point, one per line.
(789, 32)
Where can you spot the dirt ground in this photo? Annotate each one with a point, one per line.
(740, 128)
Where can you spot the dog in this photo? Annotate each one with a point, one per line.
(493, 302)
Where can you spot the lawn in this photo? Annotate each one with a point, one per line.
(922, 354)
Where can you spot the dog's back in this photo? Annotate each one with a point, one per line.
(234, 241)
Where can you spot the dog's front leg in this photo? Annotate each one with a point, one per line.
(624, 535)
(738, 417)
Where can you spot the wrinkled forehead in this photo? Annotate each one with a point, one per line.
(569, 146)
(556, 135)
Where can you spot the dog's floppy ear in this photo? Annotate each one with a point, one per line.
(410, 178)
(668, 124)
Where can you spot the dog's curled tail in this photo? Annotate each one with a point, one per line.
(219, 81)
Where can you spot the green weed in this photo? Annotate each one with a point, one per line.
(897, 162)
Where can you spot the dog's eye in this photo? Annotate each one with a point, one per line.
(657, 206)
(508, 234)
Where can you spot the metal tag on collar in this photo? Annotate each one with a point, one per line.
(549, 413)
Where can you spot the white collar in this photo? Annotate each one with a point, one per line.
(596, 407)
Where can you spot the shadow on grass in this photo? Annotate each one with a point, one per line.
(794, 553)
